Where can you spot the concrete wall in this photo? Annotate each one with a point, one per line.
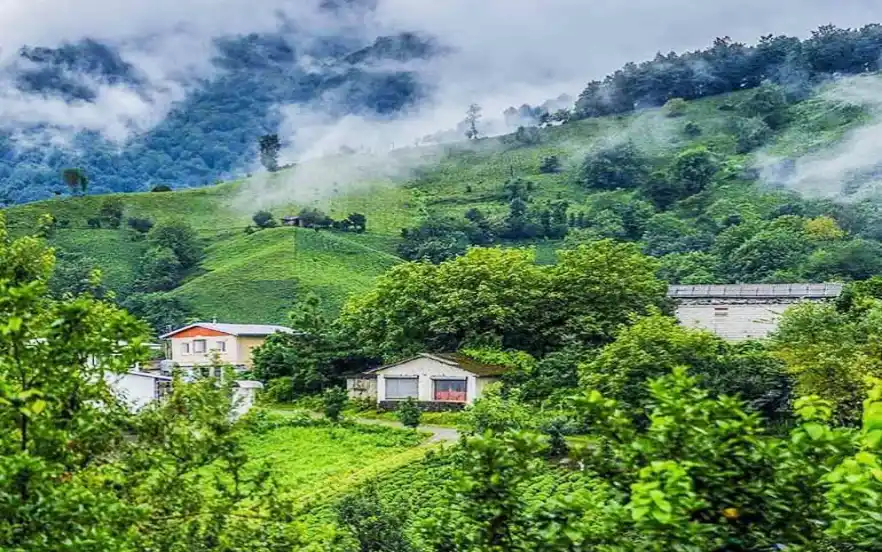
(733, 322)
(361, 388)
(427, 370)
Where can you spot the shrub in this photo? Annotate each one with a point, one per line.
(409, 413)
(550, 164)
(140, 225)
(264, 219)
(676, 107)
(333, 402)
(161, 188)
(692, 129)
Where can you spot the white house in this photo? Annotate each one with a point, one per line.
(453, 379)
(743, 311)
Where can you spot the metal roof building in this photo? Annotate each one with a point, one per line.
(756, 291)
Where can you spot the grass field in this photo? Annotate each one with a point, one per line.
(306, 459)
(254, 278)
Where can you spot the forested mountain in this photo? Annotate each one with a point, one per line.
(212, 133)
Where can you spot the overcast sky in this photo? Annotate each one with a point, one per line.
(508, 51)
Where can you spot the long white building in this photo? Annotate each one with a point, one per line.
(743, 311)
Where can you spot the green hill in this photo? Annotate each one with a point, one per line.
(255, 277)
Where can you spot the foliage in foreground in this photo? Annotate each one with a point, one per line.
(78, 471)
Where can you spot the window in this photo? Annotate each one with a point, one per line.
(220, 346)
(721, 311)
(185, 348)
(450, 390)
(199, 346)
(402, 388)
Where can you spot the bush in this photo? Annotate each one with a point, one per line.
(161, 188)
(281, 390)
(409, 413)
(333, 402)
(140, 225)
(550, 164)
(692, 129)
(676, 107)
(264, 219)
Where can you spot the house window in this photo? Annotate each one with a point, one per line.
(450, 390)
(199, 346)
(220, 346)
(721, 311)
(185, 348)
(402, 388)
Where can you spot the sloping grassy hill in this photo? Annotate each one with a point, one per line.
(255, 277)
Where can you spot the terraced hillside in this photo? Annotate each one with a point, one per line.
(255, 277)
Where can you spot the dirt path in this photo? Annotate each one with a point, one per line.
(439, 433)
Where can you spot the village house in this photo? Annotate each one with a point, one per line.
(202, 343)
(436, 380)
(743, 311)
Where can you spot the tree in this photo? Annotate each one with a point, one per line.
(527, 136)
(473, 115)
(74, 275)
(264, 219)
(409, 413)
(162, 311)
(617, 166)
(435, 240)
(111, 211)
(334, 400)
(549, 165)
(314, 218)
(694, 169)
(358, 221)
(767, 252)
(830, 353)
(503, 296)
(851, 260)
(314, 356)
(75, 180)
(269, 151)
(675, 107)
(159, 270)
(690, 268)
(750, 134)
(181, 238)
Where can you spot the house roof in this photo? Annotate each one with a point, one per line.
(245, 330)
(756, 291)
(453, 359)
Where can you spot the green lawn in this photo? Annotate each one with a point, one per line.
(310, 459)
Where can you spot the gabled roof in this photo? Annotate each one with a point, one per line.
(242, 330)
(756, 291)
(452, 359)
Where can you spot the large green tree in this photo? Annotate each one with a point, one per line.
(501, 296)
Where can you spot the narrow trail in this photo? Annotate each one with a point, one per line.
(439, 434)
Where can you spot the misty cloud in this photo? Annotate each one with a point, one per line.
(851, 168)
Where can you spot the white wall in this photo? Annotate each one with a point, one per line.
(426, 369)
(136, 390)
(731, 321)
